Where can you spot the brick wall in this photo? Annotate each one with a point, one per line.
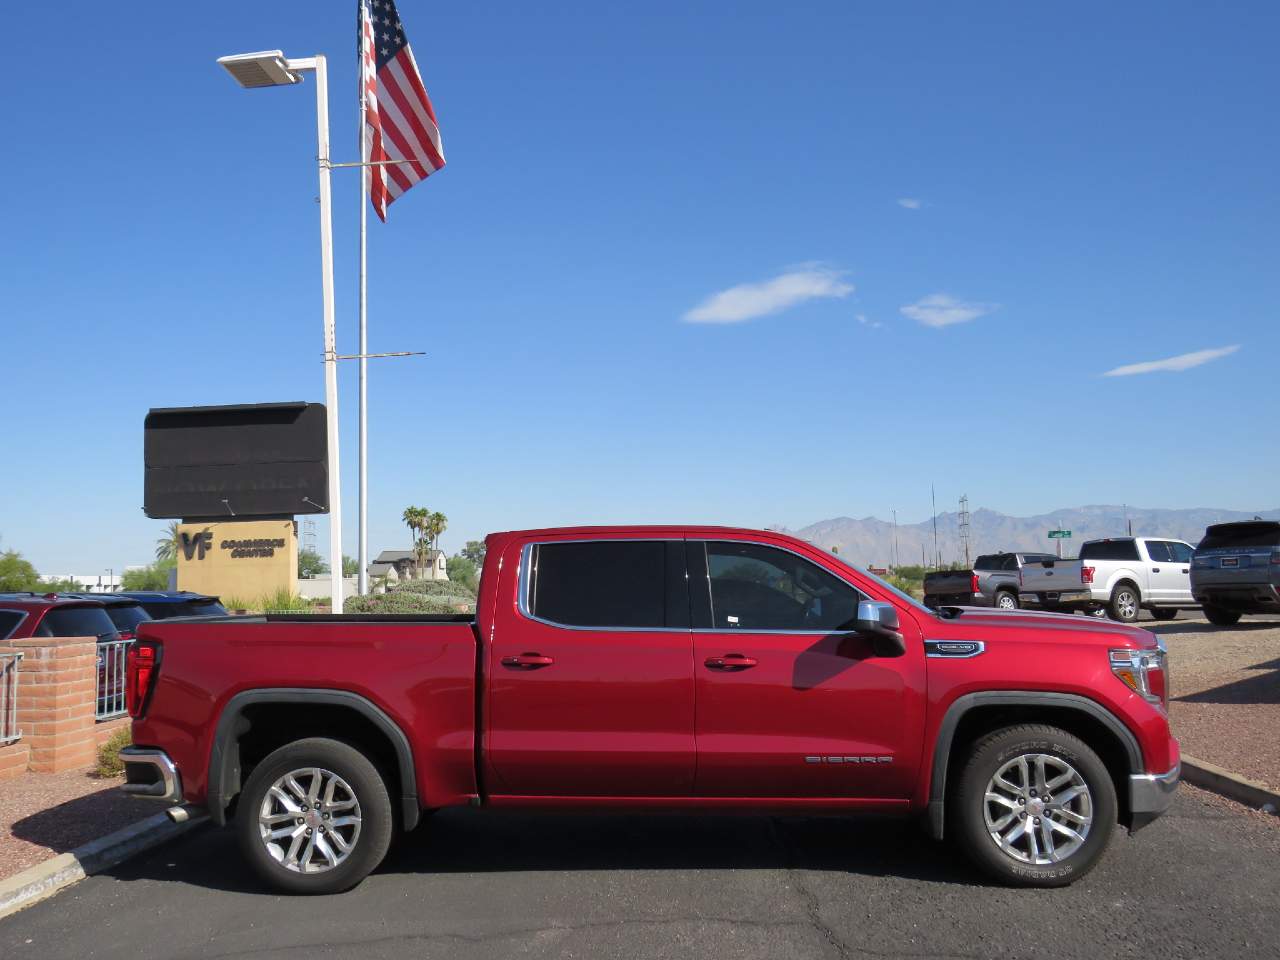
(57, 686)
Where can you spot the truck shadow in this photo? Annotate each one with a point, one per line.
(479, 841)
(1263, 688)
(1174, 628)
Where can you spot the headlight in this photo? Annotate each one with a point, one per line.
(1145, 672)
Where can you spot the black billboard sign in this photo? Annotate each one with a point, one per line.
(247, 461)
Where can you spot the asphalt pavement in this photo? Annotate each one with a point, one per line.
(1200, 882)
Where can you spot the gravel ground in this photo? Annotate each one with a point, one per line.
(44, 814)
(1225, 704)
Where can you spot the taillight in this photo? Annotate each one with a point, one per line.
(973, 583)
(1086, 574)
(142, 665)
(1275, 557)
(1145, 672)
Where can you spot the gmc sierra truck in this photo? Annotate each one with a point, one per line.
(690, 668)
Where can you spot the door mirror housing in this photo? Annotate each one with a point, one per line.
(879, 621)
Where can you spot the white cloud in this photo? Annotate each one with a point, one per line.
(1184, 361)
(750, 300)
(868, 322)
(942, 310)
(911, 203)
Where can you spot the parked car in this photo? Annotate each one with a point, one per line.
(1121, 576)
(167, 604)
(24, 615)
(690, 668)
(1236, 570)
(1054, 583)
(125, 612)
(993, 582)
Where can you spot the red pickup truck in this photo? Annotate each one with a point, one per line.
(698, 668)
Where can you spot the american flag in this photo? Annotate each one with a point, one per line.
(400, 123)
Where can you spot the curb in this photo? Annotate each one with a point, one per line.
(1206, 775)
(47, 878)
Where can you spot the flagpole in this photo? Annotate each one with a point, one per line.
(363, 551)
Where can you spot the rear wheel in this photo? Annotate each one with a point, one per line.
(1005, 600)
(1034, 806)
(1164, 613)
(1221, 616)
(314, 817)
(1124, 603)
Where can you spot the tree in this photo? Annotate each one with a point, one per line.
(16, 574)
(350, 566)
(416, 519)
(437, 524)
(167, 546)
(152, 577)
(462, 572)
(311, 564)
(473, 551)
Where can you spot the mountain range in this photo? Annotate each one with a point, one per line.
(871, 541)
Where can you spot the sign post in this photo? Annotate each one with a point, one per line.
(1058, 536)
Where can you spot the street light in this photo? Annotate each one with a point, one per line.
(271, 68)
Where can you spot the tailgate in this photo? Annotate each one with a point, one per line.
(1051, 575)
(1228, 565)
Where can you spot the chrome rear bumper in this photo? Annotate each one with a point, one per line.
(151, 774)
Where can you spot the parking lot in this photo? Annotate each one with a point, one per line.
(1200, 882)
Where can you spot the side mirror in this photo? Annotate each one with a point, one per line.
(879, 621)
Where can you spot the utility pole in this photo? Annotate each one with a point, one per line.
(964, 526)
(936, 553)
(896, 557)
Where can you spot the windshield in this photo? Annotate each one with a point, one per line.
(900, 594)
(199, 607)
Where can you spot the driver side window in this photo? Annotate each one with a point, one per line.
(754, 587)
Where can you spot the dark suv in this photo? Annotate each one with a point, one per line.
(1236, 570)
(167, 604)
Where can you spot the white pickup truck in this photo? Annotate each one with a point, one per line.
(1122, 576)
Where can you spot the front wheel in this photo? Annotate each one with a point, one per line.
(1005, 600)
(1221, 616)
(314, 817)
(1034, 806)
(1164, 613)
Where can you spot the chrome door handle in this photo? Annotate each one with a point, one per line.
(528, 661)
(731, 662)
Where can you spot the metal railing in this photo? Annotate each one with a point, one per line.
(9, 731)
(111, 679)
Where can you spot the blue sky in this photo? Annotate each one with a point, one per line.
(744, 263)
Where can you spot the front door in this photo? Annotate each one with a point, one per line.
(590, 672)
(1169, 571)
(790, 703)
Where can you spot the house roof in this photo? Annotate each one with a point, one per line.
(395, 556)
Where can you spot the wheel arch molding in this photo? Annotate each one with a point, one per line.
(1124, 743)
(225, 775)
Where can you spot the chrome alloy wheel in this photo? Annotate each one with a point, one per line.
(1038, 809)
(309, 820)
(1006, 602)
(1127, 604)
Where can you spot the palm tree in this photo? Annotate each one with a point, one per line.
(417, 519)
(438, 525)
(167, 546)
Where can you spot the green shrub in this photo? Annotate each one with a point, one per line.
(109, 762)
(434, 588)
(407, 601)
(282, 599)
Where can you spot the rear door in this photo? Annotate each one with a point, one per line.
(789, 702)
(590, 671)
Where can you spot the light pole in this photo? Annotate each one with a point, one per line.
(271, 68)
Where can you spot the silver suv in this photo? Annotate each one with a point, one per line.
(1236, 570)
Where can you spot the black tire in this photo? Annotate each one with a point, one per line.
(1221, 616)
(967, 808)
(1005, 600)
(1125, 603)
(359, 777)
(1164, 613)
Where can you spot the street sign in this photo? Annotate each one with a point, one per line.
(1059, 534)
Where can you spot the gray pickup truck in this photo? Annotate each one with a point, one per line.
(993, 582)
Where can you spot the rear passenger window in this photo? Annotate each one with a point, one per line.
(604, 583)
(1181, 552)
(1109, 550)
(9, 620)
(1158, 551)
